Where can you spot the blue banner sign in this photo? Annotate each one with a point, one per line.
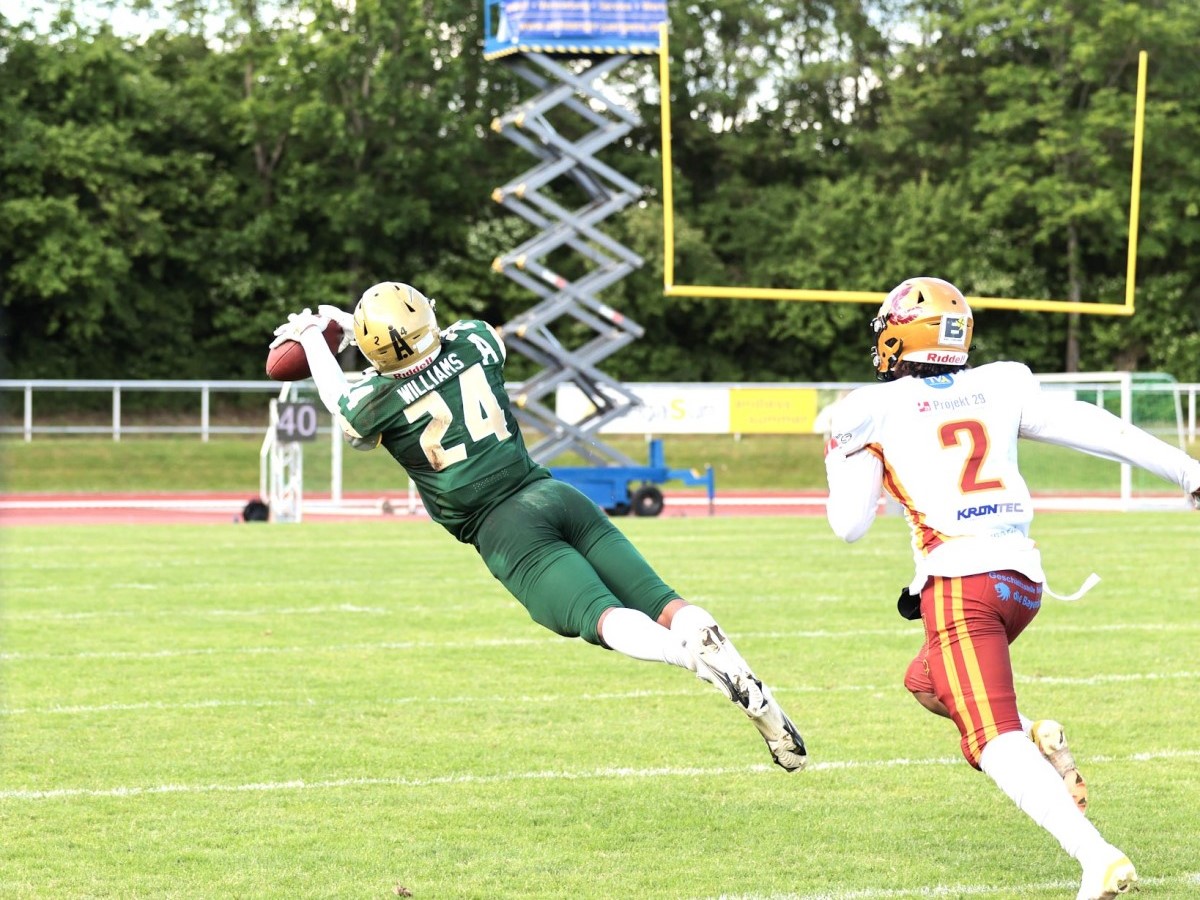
(572, 26)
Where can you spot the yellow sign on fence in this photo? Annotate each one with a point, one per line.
(772, 410)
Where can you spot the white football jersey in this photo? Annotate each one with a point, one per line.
(946, 449)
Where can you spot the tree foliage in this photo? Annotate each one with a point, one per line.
(167, 197)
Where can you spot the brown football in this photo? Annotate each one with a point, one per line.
(287, 361)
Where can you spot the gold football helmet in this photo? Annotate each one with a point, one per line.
(395, 327)
(923, 320)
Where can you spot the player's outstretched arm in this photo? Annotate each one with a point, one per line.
(1083, 426)
(326, 372)
(332, 385)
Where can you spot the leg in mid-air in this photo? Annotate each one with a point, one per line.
(718, 662)
(579, 575)
(710, 653)
(967, 668)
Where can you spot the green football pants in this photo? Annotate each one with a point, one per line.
(558, 553)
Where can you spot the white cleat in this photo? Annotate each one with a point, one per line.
(1107, 881)
(1050, 739)
(719, 664)
(783, 740)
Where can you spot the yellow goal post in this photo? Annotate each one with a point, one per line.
(708, 291)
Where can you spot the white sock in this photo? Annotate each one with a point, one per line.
(690, 618)
(1021, 771)
(636, 635)
(1026, 722)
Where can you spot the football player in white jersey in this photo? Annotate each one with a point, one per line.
(941, 439)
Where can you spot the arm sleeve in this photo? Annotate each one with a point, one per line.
(332, 386)
(855, 485)
(1082, 426)
(328, 375)
(853, 471)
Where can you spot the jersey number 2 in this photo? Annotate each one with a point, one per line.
(481, 414)
(977, 450)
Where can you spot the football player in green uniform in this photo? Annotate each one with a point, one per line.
(435, 400)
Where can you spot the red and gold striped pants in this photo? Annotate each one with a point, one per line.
(969, 624)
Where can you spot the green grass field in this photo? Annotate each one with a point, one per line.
(755, 462)
(359, 710)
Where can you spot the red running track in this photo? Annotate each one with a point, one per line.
(226, 508)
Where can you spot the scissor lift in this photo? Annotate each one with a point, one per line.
(568, 76)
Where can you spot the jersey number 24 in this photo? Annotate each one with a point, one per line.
(481, 415)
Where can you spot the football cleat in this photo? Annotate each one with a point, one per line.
(783, 740)
(1108, 881)
(718, 663)
(1050, 739)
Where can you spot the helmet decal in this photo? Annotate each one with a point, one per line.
(953, 330)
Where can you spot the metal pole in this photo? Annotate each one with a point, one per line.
(335, 465)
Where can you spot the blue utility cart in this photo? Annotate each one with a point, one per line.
(621, 490)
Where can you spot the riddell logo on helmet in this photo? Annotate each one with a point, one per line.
(946, 359)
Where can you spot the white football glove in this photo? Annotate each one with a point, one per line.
(296, 325)
(343, 318)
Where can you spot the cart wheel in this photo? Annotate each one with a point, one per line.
(618, 509)
(647, 501)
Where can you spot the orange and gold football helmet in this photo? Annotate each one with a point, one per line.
(923, 320)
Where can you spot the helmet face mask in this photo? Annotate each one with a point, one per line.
(396, 329)
(923, 320)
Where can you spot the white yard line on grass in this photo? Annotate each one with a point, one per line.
(192, 612)
(500, 699)
(510, 777)
(548, 641)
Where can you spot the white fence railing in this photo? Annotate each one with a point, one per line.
(1184, 402)
(118, 427)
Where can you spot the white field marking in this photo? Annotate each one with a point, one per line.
(1107, 679)
(548, 641)
(299, 784)
(191, 612)
(498, 700)
(959, 890)
(194, 585)
(916, 631)
(153, 705)
(251, 651)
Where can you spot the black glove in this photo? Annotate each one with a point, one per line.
(909, 605)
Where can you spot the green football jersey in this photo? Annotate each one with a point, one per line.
(451, 427)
